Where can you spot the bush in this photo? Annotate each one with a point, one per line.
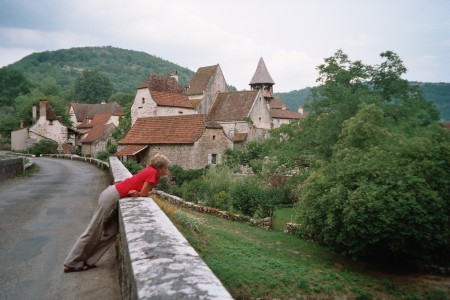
(44, 147)
(103, 155)
(133, 166)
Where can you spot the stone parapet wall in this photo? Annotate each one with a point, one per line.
(155, 260)
(10, 167)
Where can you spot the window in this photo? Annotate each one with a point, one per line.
(213, 137)
(214, 159)
(143, 100)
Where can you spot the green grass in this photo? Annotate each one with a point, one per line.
(255, 263)
(281, 217)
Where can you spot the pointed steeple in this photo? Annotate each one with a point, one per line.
(262, 80)
(261, 74)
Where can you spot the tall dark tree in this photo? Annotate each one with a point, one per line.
(12, 84)
(92, 87)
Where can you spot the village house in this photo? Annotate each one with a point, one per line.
(243, 115)
(160, 96)
(281, 114)
(204, 86)
(232, 117)
(95, 123)
(83, 113)
(190, 141)
(47, 126)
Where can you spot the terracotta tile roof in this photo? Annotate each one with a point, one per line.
(95, 133)
(162, 84)
(85, 124)
(277, 103)
(232, 106)
(171, 99)
(100, 119)
(201, 79)
(130, 150)
(261, 74)
(84, 110)
(182, 129)
(285, 114)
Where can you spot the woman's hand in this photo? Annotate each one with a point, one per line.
(133, 193)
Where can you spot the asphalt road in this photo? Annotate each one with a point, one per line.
(41, 216)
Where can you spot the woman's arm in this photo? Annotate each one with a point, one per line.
(146, 189)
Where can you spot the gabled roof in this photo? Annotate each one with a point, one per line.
(84, 110)
(201, 79)
(100, 119)
(285, 114)
(50, 114)
(96, 133)
(232, 106)
(182, 129)
(277, 103)
(130, 150)
(162, 84)
(261, 74)
(171, 99)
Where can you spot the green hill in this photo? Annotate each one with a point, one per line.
(125, 68)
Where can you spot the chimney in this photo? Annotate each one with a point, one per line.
(21, 124)
(43, 108)
(300, 110)
(34, 111)
(174, 74)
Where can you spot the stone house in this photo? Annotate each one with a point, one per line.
(189, 141)
(243, 115)
(97, 139)
(47, 126)
(204, 86)
(281, 114)
(160, 96)
(95, 123)
(83, 113)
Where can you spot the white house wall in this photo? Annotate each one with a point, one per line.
(143, 105)
(44, 129)
(216, 84)
(19, 139)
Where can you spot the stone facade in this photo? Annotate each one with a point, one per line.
(92, 148)
(207, 150)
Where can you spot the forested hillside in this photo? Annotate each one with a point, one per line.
(438, 93)
(126, 69)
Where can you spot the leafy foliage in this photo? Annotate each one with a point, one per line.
(126, 69)
(12, 84)
(92, 87)
(44, 147)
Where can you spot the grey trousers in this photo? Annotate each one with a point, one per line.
(100, 233)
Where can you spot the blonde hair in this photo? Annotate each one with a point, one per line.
(159, 161)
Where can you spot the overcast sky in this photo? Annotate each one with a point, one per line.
(293, 37)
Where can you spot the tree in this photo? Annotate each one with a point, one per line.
(383, 195)
(12, 84)
(92, 87)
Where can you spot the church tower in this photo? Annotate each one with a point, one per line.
(262, 80)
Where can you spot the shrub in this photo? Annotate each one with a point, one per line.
(44, 147)
(133, 166)
(103, 155)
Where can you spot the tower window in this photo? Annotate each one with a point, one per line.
(143, 100)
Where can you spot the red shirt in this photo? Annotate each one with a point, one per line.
(149, 174)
